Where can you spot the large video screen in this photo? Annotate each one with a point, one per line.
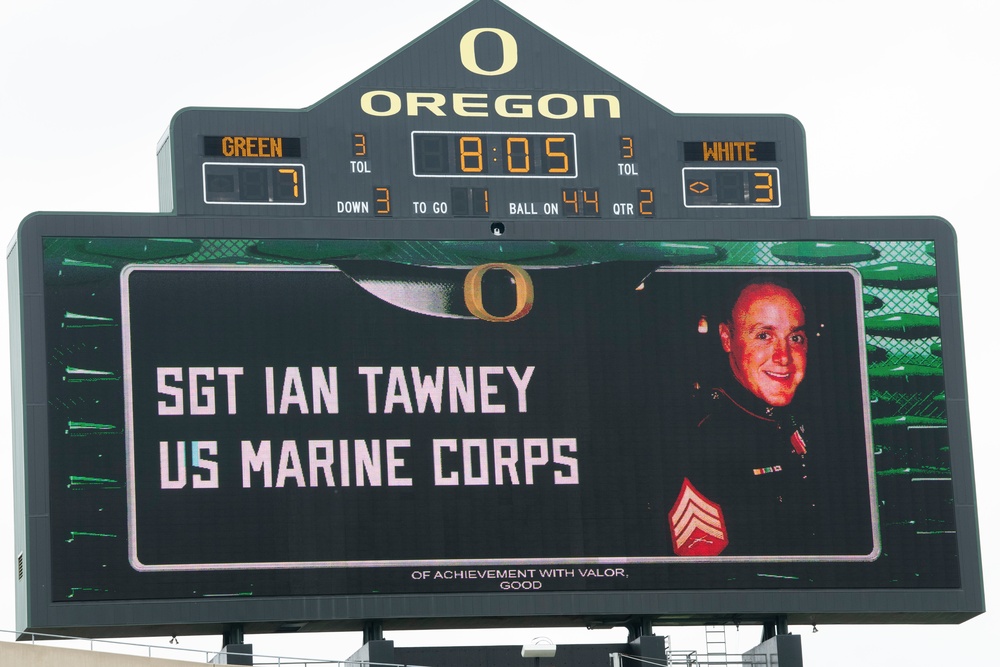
(261, 417)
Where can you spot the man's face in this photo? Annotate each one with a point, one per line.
(767, 342)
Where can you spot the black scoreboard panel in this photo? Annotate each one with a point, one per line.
(485, 116)
(273, 419)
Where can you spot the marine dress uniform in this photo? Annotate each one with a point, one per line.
(758, 482)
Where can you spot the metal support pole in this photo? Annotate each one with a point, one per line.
(234, 649)
(232, 634)
(639, 627)
(372, 631)
(773, 628)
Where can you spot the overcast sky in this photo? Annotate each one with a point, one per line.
(898, 100)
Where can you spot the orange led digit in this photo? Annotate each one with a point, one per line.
(518, 148)
(295, 180)
(768, 185)
(555, 155)
(475, 154)
(627, 151)
(382, 203)
(360, 144)
(646, 201)
(570, 198)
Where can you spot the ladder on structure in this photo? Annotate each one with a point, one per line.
(715, 645)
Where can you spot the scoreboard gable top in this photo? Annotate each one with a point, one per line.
(484, 94)
(481, 52)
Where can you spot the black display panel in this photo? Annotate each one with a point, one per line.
(254, 184)
(363, 418)
(730, 151)
(735, 187)
(493, 154)
(307, 422)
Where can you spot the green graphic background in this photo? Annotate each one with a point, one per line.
(905, 373)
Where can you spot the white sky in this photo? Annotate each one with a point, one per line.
(897, 98)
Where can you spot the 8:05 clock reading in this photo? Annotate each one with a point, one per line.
(494, 154)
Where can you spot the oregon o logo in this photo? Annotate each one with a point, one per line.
(474, 292)
(467, 49)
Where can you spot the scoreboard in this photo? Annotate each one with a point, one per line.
(461, 344)
(484, 118)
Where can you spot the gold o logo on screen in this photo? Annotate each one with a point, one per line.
(467, 49)
(525, 292)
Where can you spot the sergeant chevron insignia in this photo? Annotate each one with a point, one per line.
(697, 527)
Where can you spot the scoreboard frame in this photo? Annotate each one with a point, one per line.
(39, 610)
(336, 187)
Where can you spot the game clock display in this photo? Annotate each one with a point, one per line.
(494, 154)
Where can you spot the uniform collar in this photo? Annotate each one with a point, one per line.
(742, 398)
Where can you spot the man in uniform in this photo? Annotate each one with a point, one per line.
(754, 485)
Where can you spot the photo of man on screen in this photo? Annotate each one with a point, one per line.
(761, 470)
(766, 341)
